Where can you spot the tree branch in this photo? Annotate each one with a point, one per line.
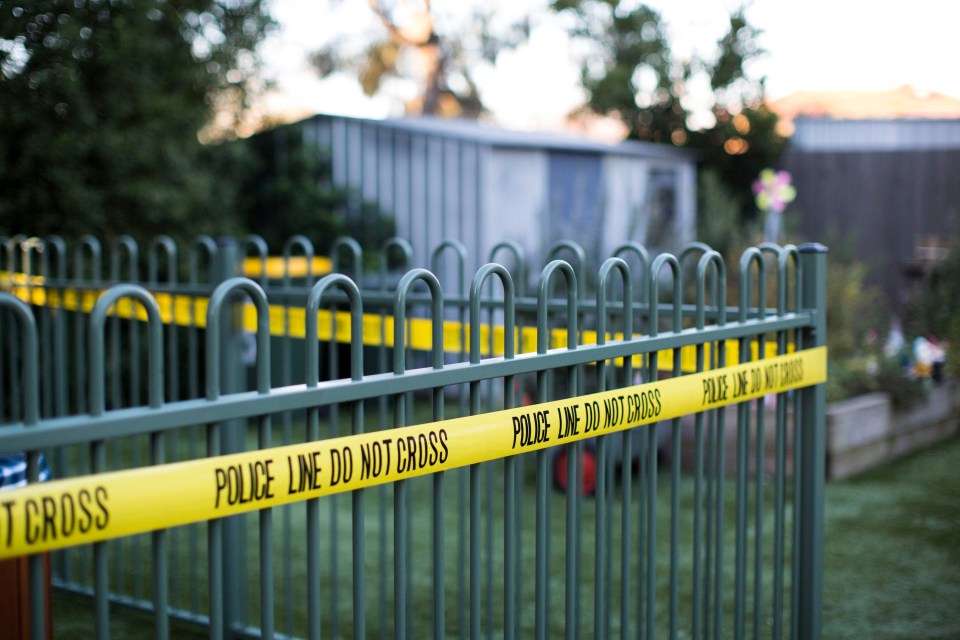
(418, 33)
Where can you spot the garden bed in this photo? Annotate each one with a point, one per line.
(862, 432)
(867, 431)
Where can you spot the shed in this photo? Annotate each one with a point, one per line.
(441, 178)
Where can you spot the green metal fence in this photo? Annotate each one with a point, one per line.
(670, 532)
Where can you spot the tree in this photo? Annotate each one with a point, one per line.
(287, 188)
(637, 79)
(439, 52)
(630, 72)
(101, 102)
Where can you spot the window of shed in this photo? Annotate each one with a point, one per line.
(661, 208)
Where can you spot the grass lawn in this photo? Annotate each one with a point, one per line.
(893, 550)
(892, 560)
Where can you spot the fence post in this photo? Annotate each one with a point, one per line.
(813, 263)
(26, 581)
(231, 435)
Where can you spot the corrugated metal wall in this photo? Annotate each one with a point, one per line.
(827, 134)
(443, 179)
(416, 178)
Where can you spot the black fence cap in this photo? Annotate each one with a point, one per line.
(813, 247)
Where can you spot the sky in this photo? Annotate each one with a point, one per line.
(870, 45)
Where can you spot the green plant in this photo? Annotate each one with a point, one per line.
(854, 309)
(872, 373)
(857, 318)
(287, 189)
(719, 222)
(936, 310)
(284, 186)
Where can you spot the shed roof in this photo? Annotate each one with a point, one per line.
(486, 134)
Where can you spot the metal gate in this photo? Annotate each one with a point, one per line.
(257, 448)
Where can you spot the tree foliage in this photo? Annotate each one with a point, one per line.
(101, 102)
(288, 189)
(631, 72)
(438, 52)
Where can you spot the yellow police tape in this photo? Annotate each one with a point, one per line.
(278, 267)
(76, 511)
(273, 267)
(189, 311)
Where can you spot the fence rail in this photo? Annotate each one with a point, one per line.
(189, 393)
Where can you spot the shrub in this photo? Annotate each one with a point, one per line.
(857, 324)
(936, 310)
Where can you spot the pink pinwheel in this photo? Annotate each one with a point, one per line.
(774, 191)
